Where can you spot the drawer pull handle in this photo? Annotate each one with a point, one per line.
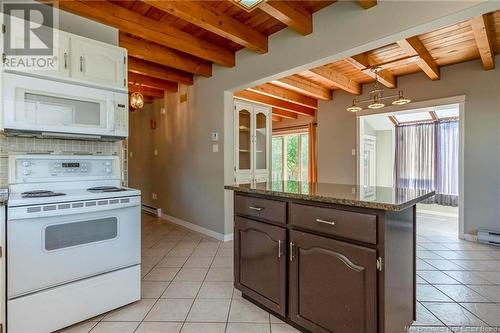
(256, 208)
(325, 222)
(65, 60)
(291, 251)
(280, 248)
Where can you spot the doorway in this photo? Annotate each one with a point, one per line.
(419, 149)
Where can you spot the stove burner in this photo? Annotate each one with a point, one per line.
(41, 194)
(100, 189)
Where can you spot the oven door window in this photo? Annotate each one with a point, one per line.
(49, 110)
(66, 235)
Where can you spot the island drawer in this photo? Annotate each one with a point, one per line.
(353, 225)
(270, 210)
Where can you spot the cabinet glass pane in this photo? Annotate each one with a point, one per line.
(260, 141)
(244, 140)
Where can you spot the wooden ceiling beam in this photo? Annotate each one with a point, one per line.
(150, 69)
(152, 82)
(272, 90)
(484, 41)
(276, 118)
(304, 86)
(290, 13)
(285, 114)
(204, 15)
(337, 79)
(274, 102)
(414, 45)
(134, 23)
(362, 63)
(152, 52)
(146, 91)
(367, 4)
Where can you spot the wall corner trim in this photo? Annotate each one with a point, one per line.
(197, 228)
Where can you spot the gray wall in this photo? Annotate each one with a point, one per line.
(482, 136)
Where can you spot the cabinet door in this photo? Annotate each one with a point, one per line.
(332, 285)
(243, 142)
(3, 297)
(261, 140)
(98, 63)
(260, 262)
(61, 51)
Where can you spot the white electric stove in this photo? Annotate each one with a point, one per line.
(73, 241)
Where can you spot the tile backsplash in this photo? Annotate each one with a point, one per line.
(15, 144)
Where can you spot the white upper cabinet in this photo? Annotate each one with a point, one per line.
(99, 63)
(252, 142)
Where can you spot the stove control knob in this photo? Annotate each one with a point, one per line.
(26, 172)
(26, 163)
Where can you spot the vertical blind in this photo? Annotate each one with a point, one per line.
(427, 158)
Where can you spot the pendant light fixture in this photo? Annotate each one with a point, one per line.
(376, 96)
(136, 99)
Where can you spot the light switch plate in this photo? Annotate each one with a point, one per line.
(215, 148)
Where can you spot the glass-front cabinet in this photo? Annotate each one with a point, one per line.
(252, 142)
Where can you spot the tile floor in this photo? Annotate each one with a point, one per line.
(187, 286)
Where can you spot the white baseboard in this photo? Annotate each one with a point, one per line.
(197, 228)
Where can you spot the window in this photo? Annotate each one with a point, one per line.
(290, 157)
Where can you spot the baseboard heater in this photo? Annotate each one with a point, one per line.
(151, 210)
(489, 237)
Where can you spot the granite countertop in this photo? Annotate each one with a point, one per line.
(4, 195)
(383, 198)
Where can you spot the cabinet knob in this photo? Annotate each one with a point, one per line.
(332, 223)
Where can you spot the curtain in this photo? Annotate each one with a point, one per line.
(447, 163)
(313, 173)
(427, 158)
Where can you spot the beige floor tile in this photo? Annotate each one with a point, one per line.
(155, 252)
(491, 292)
(444, 265)
(132, 312)
(198, 262)
(467, 277)
(244, 311)
(209, 310)
(437, 277)
(428, 293)
(150, 261)
(153, 289)
(223, 262)
(460, 293)
(220, 275)
(84, 327)
(425, 317)
(152, 327)
(170, 310)
(182, 290)
(453, 314)
(487, 312)
(115, 327)
(216, 290)
(191, 274)
(161, 274)
(276, 320)
(172, 262)
(203, 328)
(283, 328)
(247, 328)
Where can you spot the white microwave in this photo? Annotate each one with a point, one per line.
(49, 108)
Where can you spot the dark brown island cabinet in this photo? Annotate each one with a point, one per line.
(328, 257)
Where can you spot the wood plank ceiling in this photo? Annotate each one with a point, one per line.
(169, 42)
(478, 38)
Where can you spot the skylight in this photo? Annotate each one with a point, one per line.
(413, 117)
(447, 113)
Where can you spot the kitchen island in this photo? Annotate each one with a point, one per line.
(328, 257)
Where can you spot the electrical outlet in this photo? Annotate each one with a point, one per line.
(215, 148)
(353, 152)
(154, 196)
